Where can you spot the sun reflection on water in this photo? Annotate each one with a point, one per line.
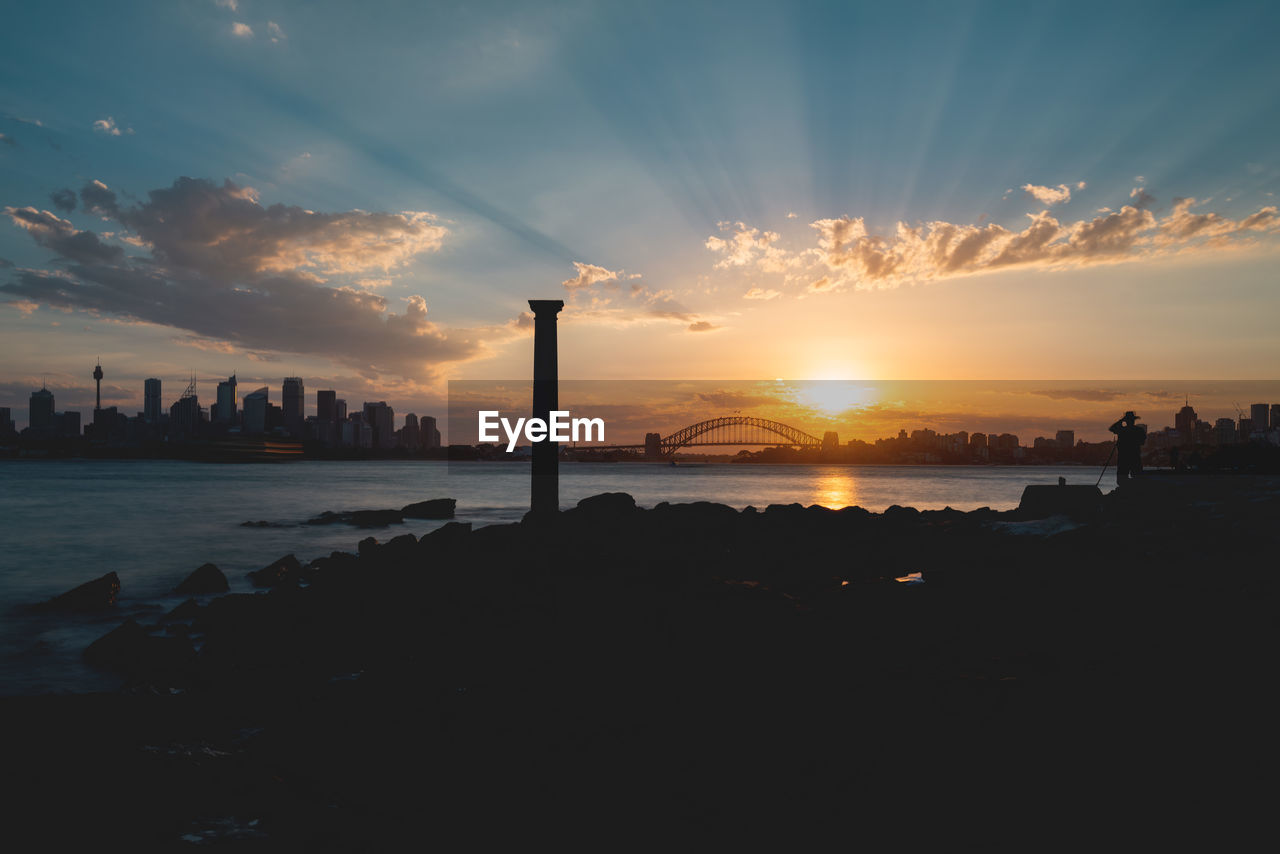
(836, 489)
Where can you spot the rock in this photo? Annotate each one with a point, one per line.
(375, 518)
(116, 645)
(399, 548)
(607, 504)
(262, 523)
(367, 547)
(1079, 501)
(286, 568)
(188, 610)
(450, 535)
(360, 518)
(206, 579)
(93, 595)
(131, 652)
(436, 508)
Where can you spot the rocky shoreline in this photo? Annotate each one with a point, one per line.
(614, 673)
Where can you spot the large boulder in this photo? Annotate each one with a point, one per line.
(130, 651)
(607, 505)
(375, 518)
(285, 569)
(359, 518)
(206, 579)
(96, 595)
(436, 508)
(1078, 501)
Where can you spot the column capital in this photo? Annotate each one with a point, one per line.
(546, 305)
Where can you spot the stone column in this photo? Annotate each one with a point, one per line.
(545, 487)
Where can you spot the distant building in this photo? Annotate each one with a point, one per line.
(6, 422)
(410, 437)
(293, 403)
(326, 399)
(430, 435)
(830, 440)
(1066, 439)
(226, 411)
(1224, 431)
(254, 417)
(378, 418)
(1185, 420)
(340, 409)
(1003, 442)
(151, 407)
(40, 412)
(1275, 416)
(978, 441)
(1259, 414)
(184, 417)
(67, 424)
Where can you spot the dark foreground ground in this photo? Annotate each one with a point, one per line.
(691, 676)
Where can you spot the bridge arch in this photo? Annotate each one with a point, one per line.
(750, 431)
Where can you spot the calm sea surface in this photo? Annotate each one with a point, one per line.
(153, 522)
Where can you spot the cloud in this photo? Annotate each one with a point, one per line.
(588, 275)
(847, 254)
(7, 140)
(109, 127)
(223, 267)
(233, 5)
(98, 198)
(274, 31)
(1141, 198)
(762, 294)
(241, 30)
(24, 307)
(64, 200)
(747, 246)
(59, 235)
(703, 326)
(1051, 195)
(1089, 394)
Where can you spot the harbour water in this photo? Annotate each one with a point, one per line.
(153, 522)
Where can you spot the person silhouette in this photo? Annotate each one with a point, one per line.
(1130, 438)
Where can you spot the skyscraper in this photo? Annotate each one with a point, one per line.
(378, 417)
(409, 435)
(1185, 420)
(325, 400)
(40, 411)
(227, 401)
(1259, 415)
(97, 378)
(255, 411)
(151, 401)
(6, 421)
(293, 400)
(430, 435)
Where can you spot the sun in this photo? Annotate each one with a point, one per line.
(833, 397)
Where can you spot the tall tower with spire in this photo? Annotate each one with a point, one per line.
(97, 376)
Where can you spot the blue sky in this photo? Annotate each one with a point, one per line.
(730, 177)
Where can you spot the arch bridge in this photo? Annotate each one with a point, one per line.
(731, 430)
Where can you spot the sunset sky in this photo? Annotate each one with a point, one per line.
(366, 195)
